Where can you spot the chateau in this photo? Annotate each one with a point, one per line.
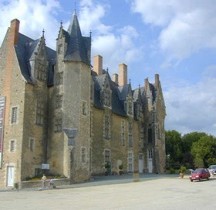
(60, 115)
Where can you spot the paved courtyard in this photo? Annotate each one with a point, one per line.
(157, 192)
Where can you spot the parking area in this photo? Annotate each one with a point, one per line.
(150, 192)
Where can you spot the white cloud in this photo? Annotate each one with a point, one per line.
(186, 26)
(116, 45)
(192, 107)
(118, 48)
(34, 17)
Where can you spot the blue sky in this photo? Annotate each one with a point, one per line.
(174, 38)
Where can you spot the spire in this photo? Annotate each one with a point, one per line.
(74, 28)
(79, 47)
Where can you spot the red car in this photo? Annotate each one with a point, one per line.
(200, 173)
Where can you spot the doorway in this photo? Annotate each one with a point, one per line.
(141, 163)
(10, 176)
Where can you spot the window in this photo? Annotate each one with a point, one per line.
(41, 72)
(107, 98)
(39, 113)
(107, 156)
(60, 48)
(130, 107)
(149, 135)
(58, 125)
(150, 154)
(123, 132)
(83, 154)
(31, 144)
(84, 108)
(12, 145)
(130, 134)
(14, 115)
(38, 172)
(58, 103)
(130, 161)
(107, 126)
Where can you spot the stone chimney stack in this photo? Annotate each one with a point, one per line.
(115, 78)
(146, 83)
(98, 64)
(157, 81)
(122, 74)
(14, 31)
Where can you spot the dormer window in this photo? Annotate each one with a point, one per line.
(107, 98)
(129, 106)
(41, 72)
(138, 111)
(106, 95)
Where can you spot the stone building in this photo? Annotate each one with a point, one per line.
(61, 116)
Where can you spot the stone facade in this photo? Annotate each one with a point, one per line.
(62, 117)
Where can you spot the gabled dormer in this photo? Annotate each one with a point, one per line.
(159, 100)
(126, 95)
(61, 42)
(129, 102)
(38, 60)
(149, 91)
(137, 101)
(106, 92)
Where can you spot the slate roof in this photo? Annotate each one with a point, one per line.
(119, 94)
(25, 48)
(117, 102)
(79, 47)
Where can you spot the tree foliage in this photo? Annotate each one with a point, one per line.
(204, 151)
(196, 149)
(173, 148)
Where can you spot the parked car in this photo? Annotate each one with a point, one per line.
(199, 173)
(212, 169)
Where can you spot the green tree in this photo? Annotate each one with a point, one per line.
(173, 149)
(187, 141)
(204, 151)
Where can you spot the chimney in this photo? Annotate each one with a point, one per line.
(14, 31)
(157, 80)
(122, 74)
(98, 64)
(146, 83)
(115, 78)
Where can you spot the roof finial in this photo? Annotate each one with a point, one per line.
(43, 33)
(61, 23)
(130, 81)
(75, 7)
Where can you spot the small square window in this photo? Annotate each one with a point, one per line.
(84, 108)
(31, 144)
(14, 115)
(12, 146)
(83, 154)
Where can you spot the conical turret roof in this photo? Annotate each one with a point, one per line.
(78, 48)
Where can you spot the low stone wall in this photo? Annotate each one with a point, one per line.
(39, 184)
